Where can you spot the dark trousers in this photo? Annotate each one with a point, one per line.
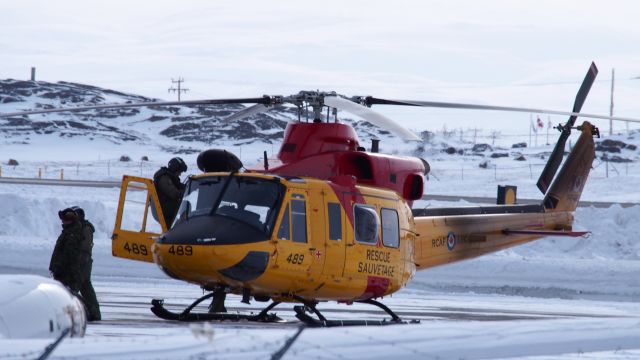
(81, 286)
(89, 295)
(90, 301)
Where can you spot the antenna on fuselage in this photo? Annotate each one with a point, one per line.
(266, 161)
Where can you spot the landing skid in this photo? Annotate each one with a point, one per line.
(160, 311)
(321, 321)
(263, 316)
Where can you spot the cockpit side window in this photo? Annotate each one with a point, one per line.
(284, 232)
(334, 212)
(298, 219)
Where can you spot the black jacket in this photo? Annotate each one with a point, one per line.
(170, 191)
(66, 258)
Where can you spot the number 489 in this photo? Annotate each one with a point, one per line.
(295, 259)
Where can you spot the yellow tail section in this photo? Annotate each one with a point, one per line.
(452, 234)
(564, 193)
(139, 220)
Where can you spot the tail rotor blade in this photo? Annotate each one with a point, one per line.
(588, 81)
(371, 116)
(552, 165)
(550, 169)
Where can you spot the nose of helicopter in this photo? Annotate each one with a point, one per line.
(203, 248)
(212, 230)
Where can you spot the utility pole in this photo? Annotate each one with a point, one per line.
(613, 75)
(494, 135)
(179, 89)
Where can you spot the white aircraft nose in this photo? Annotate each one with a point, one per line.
(33, 306)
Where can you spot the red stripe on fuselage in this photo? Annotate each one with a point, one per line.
(376, 287)
(347, 195)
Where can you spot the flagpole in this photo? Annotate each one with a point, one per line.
(613, 75)
(536, 128)
(530, 126)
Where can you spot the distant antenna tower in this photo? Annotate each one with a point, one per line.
(179, 89)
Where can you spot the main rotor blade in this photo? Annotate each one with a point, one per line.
(260, 100)
(370, 115)
(452, 105)
(550, 169)
(245, 113)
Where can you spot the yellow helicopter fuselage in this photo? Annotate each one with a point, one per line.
(311, 252)
(343, 242)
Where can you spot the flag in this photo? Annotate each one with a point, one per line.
(534, 128)
(540, 123)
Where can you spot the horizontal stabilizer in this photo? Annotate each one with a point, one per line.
(547, 233)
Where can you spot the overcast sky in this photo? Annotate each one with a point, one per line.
(513, 53)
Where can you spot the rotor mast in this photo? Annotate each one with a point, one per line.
(314, 99)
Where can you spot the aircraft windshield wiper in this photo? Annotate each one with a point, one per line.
(216, 204)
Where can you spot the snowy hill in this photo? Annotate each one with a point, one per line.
(118, 126)
(175, 129)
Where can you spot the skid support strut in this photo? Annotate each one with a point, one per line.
(160, 311)
(302, 315)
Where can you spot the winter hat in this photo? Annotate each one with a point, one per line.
(67, 215)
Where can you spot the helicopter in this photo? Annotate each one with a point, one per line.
(328, 220)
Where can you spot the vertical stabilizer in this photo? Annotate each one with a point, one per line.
(564, 193)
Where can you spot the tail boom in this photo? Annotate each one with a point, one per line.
(455, 234)
(447, 239)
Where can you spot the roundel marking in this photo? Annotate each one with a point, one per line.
(451, 240)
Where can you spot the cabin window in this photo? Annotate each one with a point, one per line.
(390, 228)
(335, 221)
(284, 230)
(298, 221)
(366, 224)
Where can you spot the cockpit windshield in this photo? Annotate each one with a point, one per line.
(251, 200)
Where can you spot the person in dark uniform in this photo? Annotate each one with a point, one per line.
(86, 260)
(71, 259)
(65, 265)
(169, 188)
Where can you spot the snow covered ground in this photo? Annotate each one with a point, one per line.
(453, 326)
(555, 298)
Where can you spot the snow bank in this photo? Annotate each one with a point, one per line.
(614, 235)
(38, 217)
(34, 213)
